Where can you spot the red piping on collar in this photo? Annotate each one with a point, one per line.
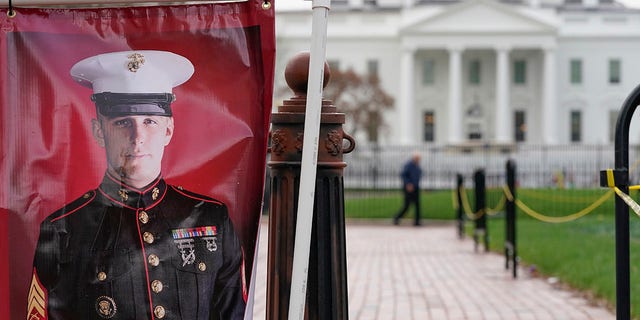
(76, 209)
(112, 178)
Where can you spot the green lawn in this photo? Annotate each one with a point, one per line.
(385, 204)
(580, 252)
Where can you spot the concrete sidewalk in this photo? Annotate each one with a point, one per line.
(406, 272)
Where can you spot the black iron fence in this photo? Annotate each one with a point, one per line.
(564, 166)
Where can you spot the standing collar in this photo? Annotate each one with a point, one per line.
(128, 196)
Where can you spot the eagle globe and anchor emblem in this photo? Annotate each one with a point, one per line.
(106, 307)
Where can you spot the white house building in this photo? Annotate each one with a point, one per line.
(484, 71)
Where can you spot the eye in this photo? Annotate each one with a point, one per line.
(149, 121)
(123, 123)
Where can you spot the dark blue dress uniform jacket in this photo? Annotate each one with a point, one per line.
(154, 253)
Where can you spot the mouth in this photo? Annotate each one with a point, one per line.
(135, 156)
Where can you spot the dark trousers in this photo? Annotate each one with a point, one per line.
(410, 198)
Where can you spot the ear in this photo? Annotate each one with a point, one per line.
(98, 133)
(169, 132)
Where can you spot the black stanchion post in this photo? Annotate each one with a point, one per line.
(510, 208)
(327, 274)
(621, 180)
(460, 211)
(481, 221)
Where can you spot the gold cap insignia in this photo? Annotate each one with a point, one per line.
(136, 61)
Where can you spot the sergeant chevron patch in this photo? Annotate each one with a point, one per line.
(194, 232)
(37, 300)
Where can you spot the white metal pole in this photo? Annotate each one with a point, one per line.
(308, 167)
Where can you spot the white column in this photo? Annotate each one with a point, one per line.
(406, 98)
(503, 132)
(549, 97)
(455, 95)
(356, 4)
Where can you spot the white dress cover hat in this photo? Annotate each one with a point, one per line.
(133, 82)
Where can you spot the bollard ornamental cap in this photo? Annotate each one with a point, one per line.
(133, 82)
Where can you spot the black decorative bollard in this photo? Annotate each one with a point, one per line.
(510, 251)
(460, 211)
(327, 274)
(480, 208)
(619, 177)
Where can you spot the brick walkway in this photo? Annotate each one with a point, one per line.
(404, 272)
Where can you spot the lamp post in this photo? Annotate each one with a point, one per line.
(326, 294)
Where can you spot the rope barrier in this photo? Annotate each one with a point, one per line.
(499, 207)
(567, 218)
(467, 208)
(507, 195)
(478, 214)
(571, 199)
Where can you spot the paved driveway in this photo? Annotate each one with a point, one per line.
(406, 272)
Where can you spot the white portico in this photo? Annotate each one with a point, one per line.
(479, 42)
(477, 72)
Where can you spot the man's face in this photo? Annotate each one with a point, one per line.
(134, 145)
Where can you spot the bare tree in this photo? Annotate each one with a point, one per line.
(362, 99)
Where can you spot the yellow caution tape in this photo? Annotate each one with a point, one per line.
(610, 179)
(632, 204)
(625, 197)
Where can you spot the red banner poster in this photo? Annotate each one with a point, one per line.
(132, 164)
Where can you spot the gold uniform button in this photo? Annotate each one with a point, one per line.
(148, 237)
(202, 266)
(159, 312)
(143, 217)
(156, 286)
(102, 276)
(154, 260)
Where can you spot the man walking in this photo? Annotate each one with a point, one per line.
(411, 174)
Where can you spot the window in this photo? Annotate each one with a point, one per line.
(520, 128)
(519, 72)
(475, 131)
(576, 71)
(372, 68)
(429, 126)
(614, 71)
(427, 72)
(474, 72)
(576, 126)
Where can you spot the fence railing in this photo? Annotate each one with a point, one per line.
(564, 166)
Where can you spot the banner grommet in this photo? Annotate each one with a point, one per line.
(10, 12)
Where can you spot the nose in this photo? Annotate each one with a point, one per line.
(138, 134)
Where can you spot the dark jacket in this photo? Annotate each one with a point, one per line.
(411, 174)
(155, 253)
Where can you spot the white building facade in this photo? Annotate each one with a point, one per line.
(484, 71)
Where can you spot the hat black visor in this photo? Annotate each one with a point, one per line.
(111, 104)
